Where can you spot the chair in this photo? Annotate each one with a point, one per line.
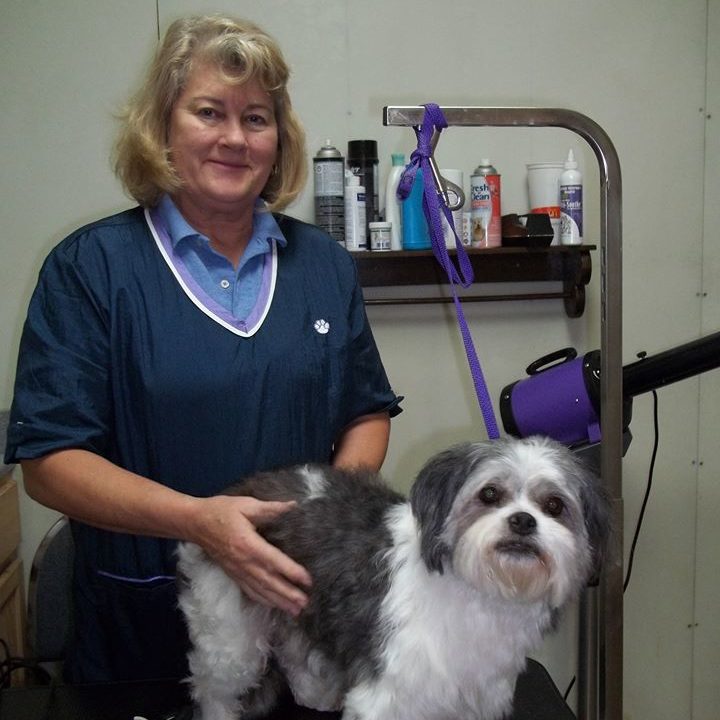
(49, 607)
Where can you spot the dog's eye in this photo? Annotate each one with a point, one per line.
(554, 506)
(489, 495)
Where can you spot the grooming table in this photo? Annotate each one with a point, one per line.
(536, 698)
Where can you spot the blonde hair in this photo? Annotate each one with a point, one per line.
(242, 52)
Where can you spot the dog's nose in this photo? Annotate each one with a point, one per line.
(522, 523)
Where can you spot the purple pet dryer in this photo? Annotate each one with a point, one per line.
(560, 397)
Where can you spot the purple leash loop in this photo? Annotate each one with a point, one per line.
(422, 157)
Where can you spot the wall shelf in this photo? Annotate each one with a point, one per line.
(569, 265)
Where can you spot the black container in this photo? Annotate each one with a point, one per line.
(362, 159)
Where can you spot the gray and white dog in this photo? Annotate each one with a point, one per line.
(421, 609)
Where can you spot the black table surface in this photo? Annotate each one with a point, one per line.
(536, 698)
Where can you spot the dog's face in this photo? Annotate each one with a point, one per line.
(520, 519)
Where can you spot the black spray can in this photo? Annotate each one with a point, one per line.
(363, 162)
(329, 182)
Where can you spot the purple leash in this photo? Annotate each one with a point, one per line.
(433, 123)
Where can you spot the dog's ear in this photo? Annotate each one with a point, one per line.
(432, 497)
(596, 512)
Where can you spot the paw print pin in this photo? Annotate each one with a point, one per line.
(322, 326)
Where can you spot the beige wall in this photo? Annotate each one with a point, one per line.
(636, 68)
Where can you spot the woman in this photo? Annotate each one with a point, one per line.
(175, 347)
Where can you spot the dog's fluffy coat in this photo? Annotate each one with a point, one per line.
(420, 610)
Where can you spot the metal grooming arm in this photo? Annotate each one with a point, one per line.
(600, 668)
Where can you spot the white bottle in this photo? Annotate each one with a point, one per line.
(571, 203)
(355, 226)
(455, 177)
(393, 209)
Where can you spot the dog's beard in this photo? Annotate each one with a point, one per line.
(519, 572)
(514, 567)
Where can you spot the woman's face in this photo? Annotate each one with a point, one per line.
(223, 141)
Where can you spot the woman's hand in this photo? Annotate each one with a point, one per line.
(226, 530)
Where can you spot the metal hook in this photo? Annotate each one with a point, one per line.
(443, 184)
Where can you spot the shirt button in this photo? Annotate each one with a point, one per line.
(224, 284)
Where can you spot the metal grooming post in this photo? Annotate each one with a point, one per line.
(600, 669)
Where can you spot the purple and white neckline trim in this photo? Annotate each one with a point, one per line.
(244, 328)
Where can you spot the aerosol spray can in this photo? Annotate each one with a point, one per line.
(486, 220)
(329, 180)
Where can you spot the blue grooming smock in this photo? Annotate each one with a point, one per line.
(125, 355)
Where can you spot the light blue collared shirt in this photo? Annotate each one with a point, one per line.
(235, 290)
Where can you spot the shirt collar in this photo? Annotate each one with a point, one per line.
(264, 225)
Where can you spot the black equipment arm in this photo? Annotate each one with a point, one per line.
(667, 367)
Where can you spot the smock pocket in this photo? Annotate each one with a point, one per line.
(129, 630)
